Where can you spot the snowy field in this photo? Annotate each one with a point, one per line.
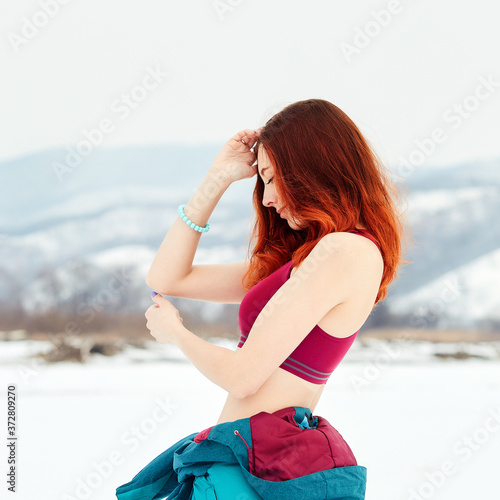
(423, 427)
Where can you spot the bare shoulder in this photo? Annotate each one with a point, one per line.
(346, 271)
(347, 258)
(338, 281)
(348, 246)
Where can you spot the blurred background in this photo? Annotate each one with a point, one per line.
(111, 116)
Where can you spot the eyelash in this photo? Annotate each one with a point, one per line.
(269, 180)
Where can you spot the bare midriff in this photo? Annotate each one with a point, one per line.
(281, 390)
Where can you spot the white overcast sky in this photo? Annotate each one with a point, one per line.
(233, 70)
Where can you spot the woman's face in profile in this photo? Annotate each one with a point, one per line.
(271, 198)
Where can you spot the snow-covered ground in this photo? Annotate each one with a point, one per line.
(423, 427)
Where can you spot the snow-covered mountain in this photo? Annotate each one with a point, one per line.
(452, 215)
(67, 234)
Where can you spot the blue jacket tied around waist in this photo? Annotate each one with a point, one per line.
(287, 454)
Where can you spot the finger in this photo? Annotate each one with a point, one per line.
(252, 144)
(245, 132)
(150, 309)
(158, 298)
(247, 135)
(253, 139)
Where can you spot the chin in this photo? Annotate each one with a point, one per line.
(293, 225)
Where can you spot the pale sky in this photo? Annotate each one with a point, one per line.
(429, 71)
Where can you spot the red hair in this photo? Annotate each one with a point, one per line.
(326, 175)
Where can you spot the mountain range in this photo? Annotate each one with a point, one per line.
(88, 231)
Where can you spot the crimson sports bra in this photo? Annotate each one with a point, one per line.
(315, 358)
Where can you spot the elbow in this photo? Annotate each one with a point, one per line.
(244, 384)
(157, 287)
(150, 281)
(167, 285)
(240, 391)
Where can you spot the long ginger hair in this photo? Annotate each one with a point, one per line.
(329, 177)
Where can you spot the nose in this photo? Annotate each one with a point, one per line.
(269, 198)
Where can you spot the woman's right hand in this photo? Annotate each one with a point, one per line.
(235, 159)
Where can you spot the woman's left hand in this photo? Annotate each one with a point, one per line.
(163, 319)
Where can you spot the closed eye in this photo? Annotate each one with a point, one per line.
(269, 180)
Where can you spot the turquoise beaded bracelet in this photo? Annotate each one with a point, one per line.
(190, 223)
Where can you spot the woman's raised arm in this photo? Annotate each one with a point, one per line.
(173, 264)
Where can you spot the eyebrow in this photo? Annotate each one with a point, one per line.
(262, 171)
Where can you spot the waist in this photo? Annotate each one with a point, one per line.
(282, 389)
(268, 439)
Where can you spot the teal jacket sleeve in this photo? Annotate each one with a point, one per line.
(158, 479)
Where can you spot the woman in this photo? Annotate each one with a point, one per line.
(326, 245)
